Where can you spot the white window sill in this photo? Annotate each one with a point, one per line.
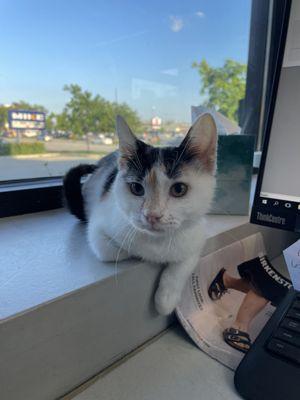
(45, 255)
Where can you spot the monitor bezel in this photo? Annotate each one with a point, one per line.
(268, 127)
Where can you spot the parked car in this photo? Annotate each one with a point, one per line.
(102, 140)
(61, 134)
(44, 137)
(107, 140)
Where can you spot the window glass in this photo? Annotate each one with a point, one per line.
(68, 67)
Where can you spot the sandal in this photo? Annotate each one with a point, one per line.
(237, 339)
(217, 288)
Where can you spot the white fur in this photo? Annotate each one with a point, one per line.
(117, 228)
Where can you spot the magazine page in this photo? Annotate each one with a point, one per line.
(205, 319)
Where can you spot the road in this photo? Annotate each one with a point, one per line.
(64, 145)
(23, 167)
(59, 157)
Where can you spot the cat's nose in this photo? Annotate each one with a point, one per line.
(153, 218)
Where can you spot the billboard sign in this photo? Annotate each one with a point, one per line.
(23, 120)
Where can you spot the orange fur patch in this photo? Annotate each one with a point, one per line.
(152, 178)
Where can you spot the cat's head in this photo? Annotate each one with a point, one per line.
(164, 188)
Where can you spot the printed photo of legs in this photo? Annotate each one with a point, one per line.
(261, 284)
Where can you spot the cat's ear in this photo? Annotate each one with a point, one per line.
(201, 142)
(127, 140)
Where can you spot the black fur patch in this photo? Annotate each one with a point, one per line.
(142, 160)
(109, 181)
(72, 189)
(173, 158)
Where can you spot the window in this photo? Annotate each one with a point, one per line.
(67, 69)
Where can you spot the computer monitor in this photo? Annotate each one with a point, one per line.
(277, 197)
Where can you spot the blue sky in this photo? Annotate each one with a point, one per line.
(139, 51)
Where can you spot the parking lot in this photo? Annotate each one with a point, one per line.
(59, 157)
(69, 146)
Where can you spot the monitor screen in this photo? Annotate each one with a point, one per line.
(277, 199)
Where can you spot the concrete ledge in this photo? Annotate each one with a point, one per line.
(47, 351)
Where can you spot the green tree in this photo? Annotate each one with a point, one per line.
(3, 117)
(87, 113)
(62, 122)
(50, 121)
(129, 114)
(223, 86)
(24, 105)
(80, 111)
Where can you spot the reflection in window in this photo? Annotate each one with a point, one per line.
(83, 63)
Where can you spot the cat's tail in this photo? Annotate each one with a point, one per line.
(73, 197)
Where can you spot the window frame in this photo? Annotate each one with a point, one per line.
(25, 196)
(262, 61)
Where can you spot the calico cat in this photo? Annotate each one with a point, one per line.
(149, 202)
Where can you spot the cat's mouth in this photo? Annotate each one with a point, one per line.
(148, 228)
(151, 229)
(154, 229)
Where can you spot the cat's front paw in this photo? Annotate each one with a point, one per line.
(166, 301)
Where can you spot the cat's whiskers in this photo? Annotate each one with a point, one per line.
(128, 233)
(112, 239)
(172, 236)
(132, 239)
(135, 161)
(176, 162)
(135, 164)
(139, 161)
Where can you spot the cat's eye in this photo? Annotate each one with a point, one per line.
(179, 189)
(136, 189)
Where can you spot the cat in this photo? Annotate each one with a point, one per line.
(149, 202)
